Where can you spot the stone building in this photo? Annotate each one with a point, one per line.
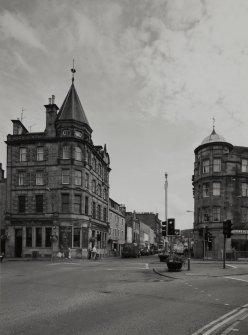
(57, 185)
(220, 189)
(132, 228)
(3, 231)
(152, 220)
(117, 226)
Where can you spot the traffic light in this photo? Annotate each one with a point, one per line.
(171, 226)
(227, 228)
(206, 233)
(210, 237)
(163, 228)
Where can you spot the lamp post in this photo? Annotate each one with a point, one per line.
(166, 205)
(189, 246)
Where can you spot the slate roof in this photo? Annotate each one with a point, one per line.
(72, 108)
(213, 137)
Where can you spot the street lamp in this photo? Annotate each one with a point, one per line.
(189, 246)
(166, 204)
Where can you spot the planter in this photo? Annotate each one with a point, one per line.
(174, 265)
(163, 258)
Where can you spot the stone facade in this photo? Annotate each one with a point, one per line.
(152, 220)
(3, 231)
(57, 185)
(220, 188)
(117, 227)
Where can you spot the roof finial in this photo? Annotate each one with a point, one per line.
(213, 122)
(73, 71)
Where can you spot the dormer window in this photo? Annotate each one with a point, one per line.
(23, 154)
(66, 152)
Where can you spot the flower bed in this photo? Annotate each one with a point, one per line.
(175, 262)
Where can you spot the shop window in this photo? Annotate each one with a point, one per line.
(76, 237)
(40, 154)
(244, 215)
(216, 188)
(78, 178)
(77, 204)
(65, 203)
(39, 203)
(217, 165)
(38, 237)
(48, 234)
(66, 176)
(29, 239)
(244, 166)
(22, 203)
(23, 154)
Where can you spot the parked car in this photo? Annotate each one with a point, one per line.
(144, 251)
(130, 250)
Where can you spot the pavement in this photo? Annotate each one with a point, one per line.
(204, 268)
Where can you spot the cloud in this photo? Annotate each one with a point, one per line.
(22, 64)
(16, 27)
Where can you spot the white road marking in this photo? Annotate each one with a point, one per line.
(231, 266)
(245, 280)
(227, 331)
(221, 320)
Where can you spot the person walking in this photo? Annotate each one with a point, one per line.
(94, 252)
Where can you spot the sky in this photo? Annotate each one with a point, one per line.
(151, 76)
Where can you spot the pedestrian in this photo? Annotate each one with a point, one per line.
(94, 252)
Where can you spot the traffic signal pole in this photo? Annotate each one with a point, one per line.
(224, 253)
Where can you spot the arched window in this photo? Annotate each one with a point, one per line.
(78, 154)
(104, 194)
(94, 186)
(94, 163)
(99, 169)
(99, 191)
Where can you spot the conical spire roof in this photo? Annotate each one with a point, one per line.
(72, 109)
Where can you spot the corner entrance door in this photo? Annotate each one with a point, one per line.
(18, 242)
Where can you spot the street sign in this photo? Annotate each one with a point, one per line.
(177, 232)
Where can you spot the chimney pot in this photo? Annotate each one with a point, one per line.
(49, 101)
(53, 99)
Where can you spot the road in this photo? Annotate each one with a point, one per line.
(122, 296)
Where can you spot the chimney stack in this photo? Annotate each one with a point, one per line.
(51, 115)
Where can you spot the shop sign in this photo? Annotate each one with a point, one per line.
(240, 232)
